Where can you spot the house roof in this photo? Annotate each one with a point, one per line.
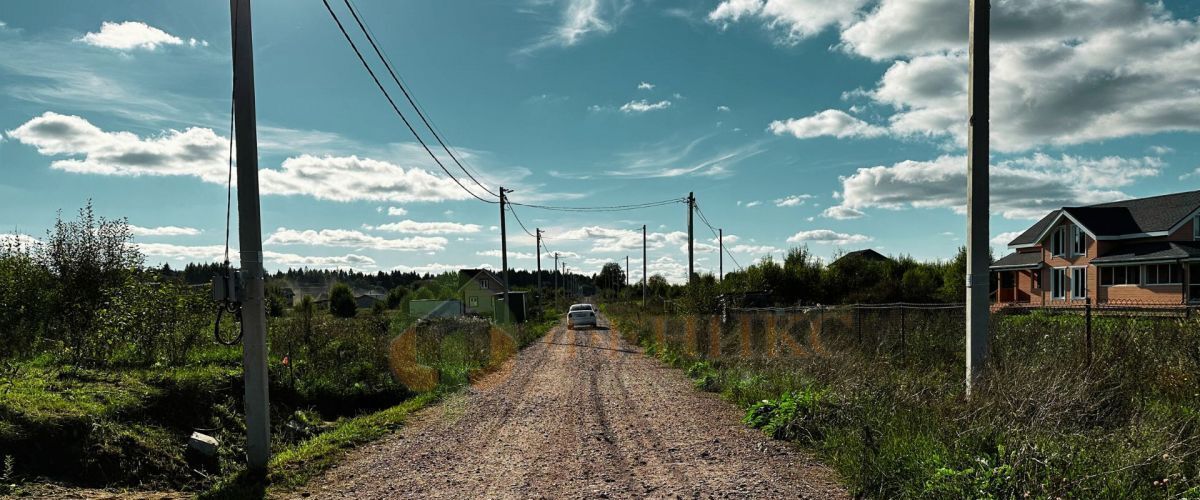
(1155, 214)
(1150, 252)
(465, 275)
(1019, 260)
(866, 254)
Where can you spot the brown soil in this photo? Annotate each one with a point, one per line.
(579, 415)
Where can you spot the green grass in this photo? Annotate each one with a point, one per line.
(1039, 424)
(295, 465)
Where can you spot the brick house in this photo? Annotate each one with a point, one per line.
(1145, 250)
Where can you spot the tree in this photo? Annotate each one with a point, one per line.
(611, 276)
(396, 296)
(341, 301)
(89, 257)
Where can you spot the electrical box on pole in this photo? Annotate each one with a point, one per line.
(253, 312)
(977, 192)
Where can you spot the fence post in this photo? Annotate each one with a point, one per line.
(1087, 331)
(858, 322)
(902, 328)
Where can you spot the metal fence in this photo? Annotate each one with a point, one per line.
(1135, 336)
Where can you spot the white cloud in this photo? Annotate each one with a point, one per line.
(621, 240)
(831, 122)
(1063, 72)
(828, 237)
(163, 231)
(18, 240)
(754, 203)
(840, 212)
(797, 19)
(511, 255)
(674, 160)
(645, 86)
(414, 227)
(579, 20)
(723, 108)
(201, 153)
(132, 35)
(642, 106)
(354, 239)
(1003, 239)
(397, 211)
(754, 249)
(1021, 188)
(794, 200)
(1161, 150)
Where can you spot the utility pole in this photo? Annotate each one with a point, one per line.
(721, 253)
(538, 232)
(977, 192)
(254, 316)
(556, 273)
(691, 203)
(644, 282)
(504, 254)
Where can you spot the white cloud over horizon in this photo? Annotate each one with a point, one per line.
(131, 35)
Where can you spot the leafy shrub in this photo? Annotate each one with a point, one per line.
(341, 301)
(794, 416)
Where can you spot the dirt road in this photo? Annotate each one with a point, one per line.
(579, 415)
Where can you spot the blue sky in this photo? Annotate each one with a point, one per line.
(839, 125)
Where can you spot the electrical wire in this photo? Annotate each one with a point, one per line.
(720, 244)
(408, 95)
(232, 116)
(396, 108)
(610, 208)
(522, 224)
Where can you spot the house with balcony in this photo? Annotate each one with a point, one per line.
(1139, 251)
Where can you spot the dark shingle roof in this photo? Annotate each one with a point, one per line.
(867, 254)
(1140, 215)
(1019, 260)
(1145, 252)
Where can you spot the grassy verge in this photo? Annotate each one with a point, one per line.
(295, 465)
(1037, 426)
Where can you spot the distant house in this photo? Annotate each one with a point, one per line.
(867, 255)
(1143, 250)
(367, 301)
(478, 287)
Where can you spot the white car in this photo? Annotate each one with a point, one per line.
(581, 315)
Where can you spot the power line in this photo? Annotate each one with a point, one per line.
(609, 208)
(407, 95)
(396, 108)
(720, 244)
(522, 224)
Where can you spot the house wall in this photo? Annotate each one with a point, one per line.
(474, 289)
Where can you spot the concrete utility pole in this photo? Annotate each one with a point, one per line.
(691, 203)
(644, 282)
(977, 192)
(254, 316)
(538, 232)
(504, 254)
(721, 253)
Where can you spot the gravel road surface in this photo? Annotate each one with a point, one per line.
(581, 414)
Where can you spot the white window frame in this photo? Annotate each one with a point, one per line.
(484, 284)
(1078, 238)
(473, 301)
(1058, 243)
(1058, 282)
(1075, 285)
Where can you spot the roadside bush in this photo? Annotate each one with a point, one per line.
(24, 299)
(341, 301)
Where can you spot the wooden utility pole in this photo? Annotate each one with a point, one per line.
(538, 232)
(644, 282)
(556, 273)
(691, 204)
(977, 192)
(504, 254)
(721, 253)
(626, 270)
(254, 316)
